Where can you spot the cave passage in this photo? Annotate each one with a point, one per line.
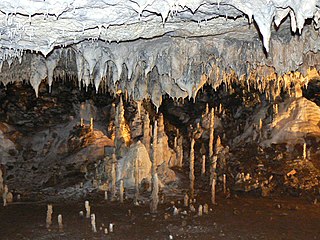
(230, 163)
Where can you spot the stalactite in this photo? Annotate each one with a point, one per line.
(191, 169)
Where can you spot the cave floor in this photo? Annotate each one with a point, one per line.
(242, 217)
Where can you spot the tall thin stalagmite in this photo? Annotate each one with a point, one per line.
(213, 191)
(191, 170)
(154, 179)
(154, 147)
(113, 177)
(1, 182)
(211, 134)
(121, 191)
(146, 132)
(155, 194)
(161, 132)
(203, 168)
(136, 181)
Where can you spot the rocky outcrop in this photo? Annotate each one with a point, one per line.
(126, 165)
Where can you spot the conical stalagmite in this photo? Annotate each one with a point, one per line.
(191, 169)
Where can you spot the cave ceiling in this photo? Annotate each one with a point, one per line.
(189, 42)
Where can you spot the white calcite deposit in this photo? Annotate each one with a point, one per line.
(149, 48)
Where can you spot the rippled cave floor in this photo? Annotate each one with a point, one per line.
(238, 217)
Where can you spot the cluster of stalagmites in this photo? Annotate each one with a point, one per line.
(88, 215)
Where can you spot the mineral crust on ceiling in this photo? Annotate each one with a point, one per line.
(148, 47)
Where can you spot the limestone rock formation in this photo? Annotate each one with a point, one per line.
(297, 119)
(125, 169)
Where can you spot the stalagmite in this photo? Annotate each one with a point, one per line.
(304, 151)
(4, 195)
(213, 168)
(113, 177)
(175, 142)
(224, 184)
(192, 208)
(218, 145)
(49, 215)
(160, 144)
(81, 214)
(191, 170)
(136, 181)
(121, 191)
(93, 223)
(146, 132)
(111, 227)
(87, 207)
(213, 191)
(200, 209)
(205, 209)
(179, 155)
(154, 147)
(60, 224)
(211, 134)
(91, 124)
(203, 168)
(186, 200)
(175, 211)
(155, 194)
(105, 195)
(1, 182)
(81, 122)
